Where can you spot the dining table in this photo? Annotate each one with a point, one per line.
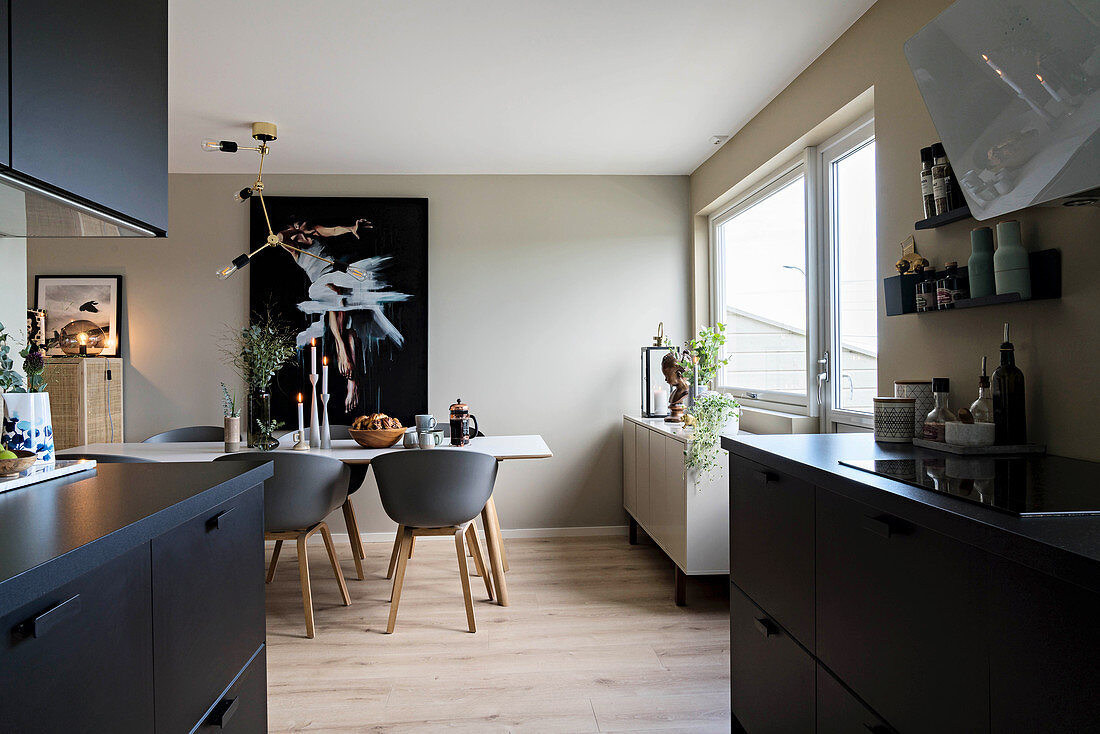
(502, 448)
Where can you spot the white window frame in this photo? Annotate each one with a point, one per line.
(821, 289)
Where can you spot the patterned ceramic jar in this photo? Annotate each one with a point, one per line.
(27, 423)
(921, 392)
(894, 420)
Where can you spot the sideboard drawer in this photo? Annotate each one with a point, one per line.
(80, 658)
(242, 709)
(208, 606)
(771, 677)
(772, 544)
(839, 712)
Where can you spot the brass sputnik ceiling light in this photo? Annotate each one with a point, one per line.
(264, 133)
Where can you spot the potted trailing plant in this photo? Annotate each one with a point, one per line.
(257, 352)
(27, 422)
(232, 416)
(701, 353)
(711, 414)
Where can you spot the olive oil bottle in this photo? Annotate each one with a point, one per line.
(1009, 415)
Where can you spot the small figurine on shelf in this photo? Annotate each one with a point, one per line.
(674, 375)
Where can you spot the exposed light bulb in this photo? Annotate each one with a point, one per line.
(214, 146)
(238, 263)
(357, 273)
(243, 194)
(354, 272)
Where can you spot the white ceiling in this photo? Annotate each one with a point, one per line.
(483, 86)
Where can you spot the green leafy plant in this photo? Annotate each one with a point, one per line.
(10, 380)
(259, 350)
(265, 429)
(705, 348)
(34, 364)
(711, 413)
(230, 409)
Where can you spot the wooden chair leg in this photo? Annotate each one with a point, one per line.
(354, 537)
(331, 548)
(474, 546)
(303, 574)
(398, 578)
(492, 540)
(464, 574)
(396, 548)
(274, 561)
(412, 542)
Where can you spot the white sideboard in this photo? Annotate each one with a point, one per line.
(687, 515)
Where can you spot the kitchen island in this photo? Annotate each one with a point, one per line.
(132, 600)
(863, 601)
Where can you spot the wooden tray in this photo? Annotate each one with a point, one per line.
(1027, 448)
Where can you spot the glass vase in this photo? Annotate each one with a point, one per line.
(259, 412)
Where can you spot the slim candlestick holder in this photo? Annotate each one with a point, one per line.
(314, 422)
(326, 433)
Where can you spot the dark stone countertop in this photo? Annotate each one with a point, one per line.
(52, 532)
(1065, 547)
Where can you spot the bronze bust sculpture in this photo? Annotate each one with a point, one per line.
(674, 376)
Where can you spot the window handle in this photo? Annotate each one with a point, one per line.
(822, 377)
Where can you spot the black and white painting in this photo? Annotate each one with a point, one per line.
(372, 331)
(69, 299)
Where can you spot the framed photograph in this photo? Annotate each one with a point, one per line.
(71, 301)
(374, 331)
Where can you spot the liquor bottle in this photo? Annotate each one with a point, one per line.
(982, 408)
(926, 182)
(1008, 398)
(941, 414)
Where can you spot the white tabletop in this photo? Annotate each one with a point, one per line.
(346, 450)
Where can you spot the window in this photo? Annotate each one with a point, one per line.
(795, 282)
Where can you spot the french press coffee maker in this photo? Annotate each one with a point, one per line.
(462, 430)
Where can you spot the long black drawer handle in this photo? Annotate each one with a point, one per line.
(215, 523)
(878, 526)
(223, 712)
(765, 627)
(766, 477)
(877, 728)
(39, 625)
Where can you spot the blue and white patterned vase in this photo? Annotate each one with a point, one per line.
(27, 423)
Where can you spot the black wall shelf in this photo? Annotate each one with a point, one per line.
(939, 220)
(1046, 284)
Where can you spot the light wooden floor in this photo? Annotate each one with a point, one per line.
(592, 642)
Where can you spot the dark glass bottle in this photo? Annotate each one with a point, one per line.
(950, 287)
(926, 292)
(1009, 415)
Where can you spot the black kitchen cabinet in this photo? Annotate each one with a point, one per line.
(771, 676)
(772, 544)
(840, 712)
(89, 102)
(900, 617)
(242, 708)
(208, 606)
(5, 88)
(1044, 642)
(80, 658)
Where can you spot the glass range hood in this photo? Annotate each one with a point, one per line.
(1013, 87)
(27, 210)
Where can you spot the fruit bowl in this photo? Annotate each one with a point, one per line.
(378, 438)
(22, 460)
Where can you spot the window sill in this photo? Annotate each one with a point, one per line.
(764, 421)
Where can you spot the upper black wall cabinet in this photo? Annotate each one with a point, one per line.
(89, 105)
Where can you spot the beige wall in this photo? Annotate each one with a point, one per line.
(1056, 341)
(542, 289)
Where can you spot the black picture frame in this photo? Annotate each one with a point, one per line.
(84, 293)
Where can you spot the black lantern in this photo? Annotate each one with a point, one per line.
(655, 391)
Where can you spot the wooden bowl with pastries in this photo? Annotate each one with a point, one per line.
(376, 431)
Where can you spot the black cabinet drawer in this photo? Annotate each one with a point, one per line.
(839, 712)
(900, 617)
(242, 709)
(772, 544)
(771, 677)
(89, 101)
(1043, 652)
(208, 606)
(80, 658)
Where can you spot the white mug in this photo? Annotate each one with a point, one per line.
(426, 440)
(425, 422)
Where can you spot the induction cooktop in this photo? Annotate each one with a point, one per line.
(1036, 486)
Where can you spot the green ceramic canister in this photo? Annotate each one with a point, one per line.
(980, 265)
(1011, 270)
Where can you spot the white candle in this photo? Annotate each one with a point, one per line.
(313, 356)
(301, 419)
(660, 400)
(324, 375)
(1050, 90)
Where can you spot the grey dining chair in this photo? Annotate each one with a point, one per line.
(303, 491)
(106, 458)
(437, 492)
(355, 481)
(189, 434)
